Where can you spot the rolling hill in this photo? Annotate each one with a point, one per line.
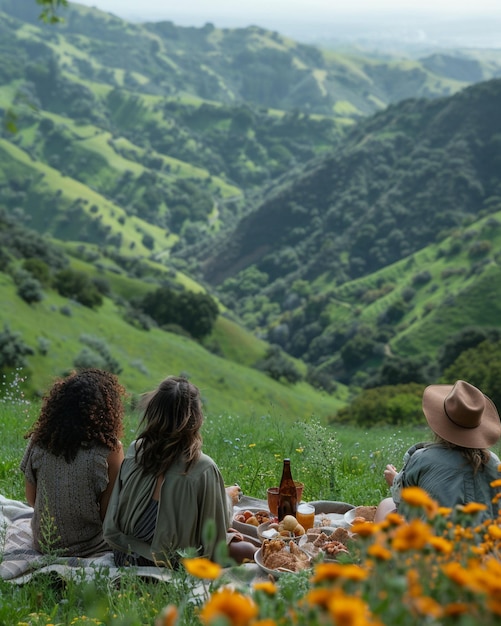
(343, 209)
(418, 173)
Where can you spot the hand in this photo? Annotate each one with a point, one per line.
(389, 474)
(235, 494)
(236, 535)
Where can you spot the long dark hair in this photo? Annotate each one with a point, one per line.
(83, 408)
(171, 422)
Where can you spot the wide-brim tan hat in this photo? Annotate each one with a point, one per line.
(461, 414)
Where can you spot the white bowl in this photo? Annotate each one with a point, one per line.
(349, 516)
(243, 527)
(275, 572)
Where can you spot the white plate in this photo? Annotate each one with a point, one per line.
(274, 572)
(333, 519)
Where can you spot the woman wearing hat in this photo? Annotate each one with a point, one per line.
(458, 467)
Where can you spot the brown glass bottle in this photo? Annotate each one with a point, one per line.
(287, 494)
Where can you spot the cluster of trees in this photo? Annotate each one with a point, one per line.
(193, 312)
(394, 394)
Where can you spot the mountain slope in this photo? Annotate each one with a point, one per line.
(418, 173)
(250, 65)
(400, 178)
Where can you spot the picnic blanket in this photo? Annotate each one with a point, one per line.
(20, 562)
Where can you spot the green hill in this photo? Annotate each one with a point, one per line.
(415, 174)
(333, 222)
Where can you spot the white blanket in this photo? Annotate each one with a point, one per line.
(20, 562)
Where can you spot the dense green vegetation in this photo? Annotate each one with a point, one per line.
(373, 255)
(242, 179)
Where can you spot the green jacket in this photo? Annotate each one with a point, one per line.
(450, 480)
(187, 502)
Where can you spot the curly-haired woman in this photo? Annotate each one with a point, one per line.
(72, 460)
(168, 491)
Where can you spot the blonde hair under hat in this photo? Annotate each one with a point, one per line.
(461, 414)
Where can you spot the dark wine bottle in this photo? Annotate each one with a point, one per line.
(287, 494)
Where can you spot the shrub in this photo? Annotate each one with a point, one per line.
(278, 366)
(38, 269)
(13, 350)
(78, 286)
(393, 404)
(421, 278)
(98, 352)
(30, 290)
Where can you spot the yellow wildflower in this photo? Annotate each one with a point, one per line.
(441, 544)
(411, 536)
(321, 597)
(472, 507)
(237, 609)
(457, 573)
(379, 552)
(444, 511)
(415, 496)
(427, 606)
(202, 568)
(252, 445)
(168, 617)
(333, 571)
(494, 531)
(349, 611)
(494, 605)
(395, 519)
(266, 586)
(364, 529)
(455, 609)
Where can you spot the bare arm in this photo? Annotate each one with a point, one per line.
(115, 458)
(31, 492)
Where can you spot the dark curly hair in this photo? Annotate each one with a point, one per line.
(172, 421)
(83, 408)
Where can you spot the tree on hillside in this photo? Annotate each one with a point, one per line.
(469, 337)
(78, 286)
(278, 366)
(480, 366)
(195, 312)
(395, 404)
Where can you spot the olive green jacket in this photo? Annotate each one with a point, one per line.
(187, 502)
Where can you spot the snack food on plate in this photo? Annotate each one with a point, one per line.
(366, 513)
(276, 554)
(252, 518)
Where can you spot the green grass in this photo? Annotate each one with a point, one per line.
(148, 356)
(344, 464)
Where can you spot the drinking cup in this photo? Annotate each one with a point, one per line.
(273, 500)
(306, 515)
(272, 495)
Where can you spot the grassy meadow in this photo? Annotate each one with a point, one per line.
(344, 464)
(337, 463)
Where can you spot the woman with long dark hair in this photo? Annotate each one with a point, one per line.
(72, 460)
(169, 495)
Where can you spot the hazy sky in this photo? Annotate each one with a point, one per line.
(446, 22)
(249, 10)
